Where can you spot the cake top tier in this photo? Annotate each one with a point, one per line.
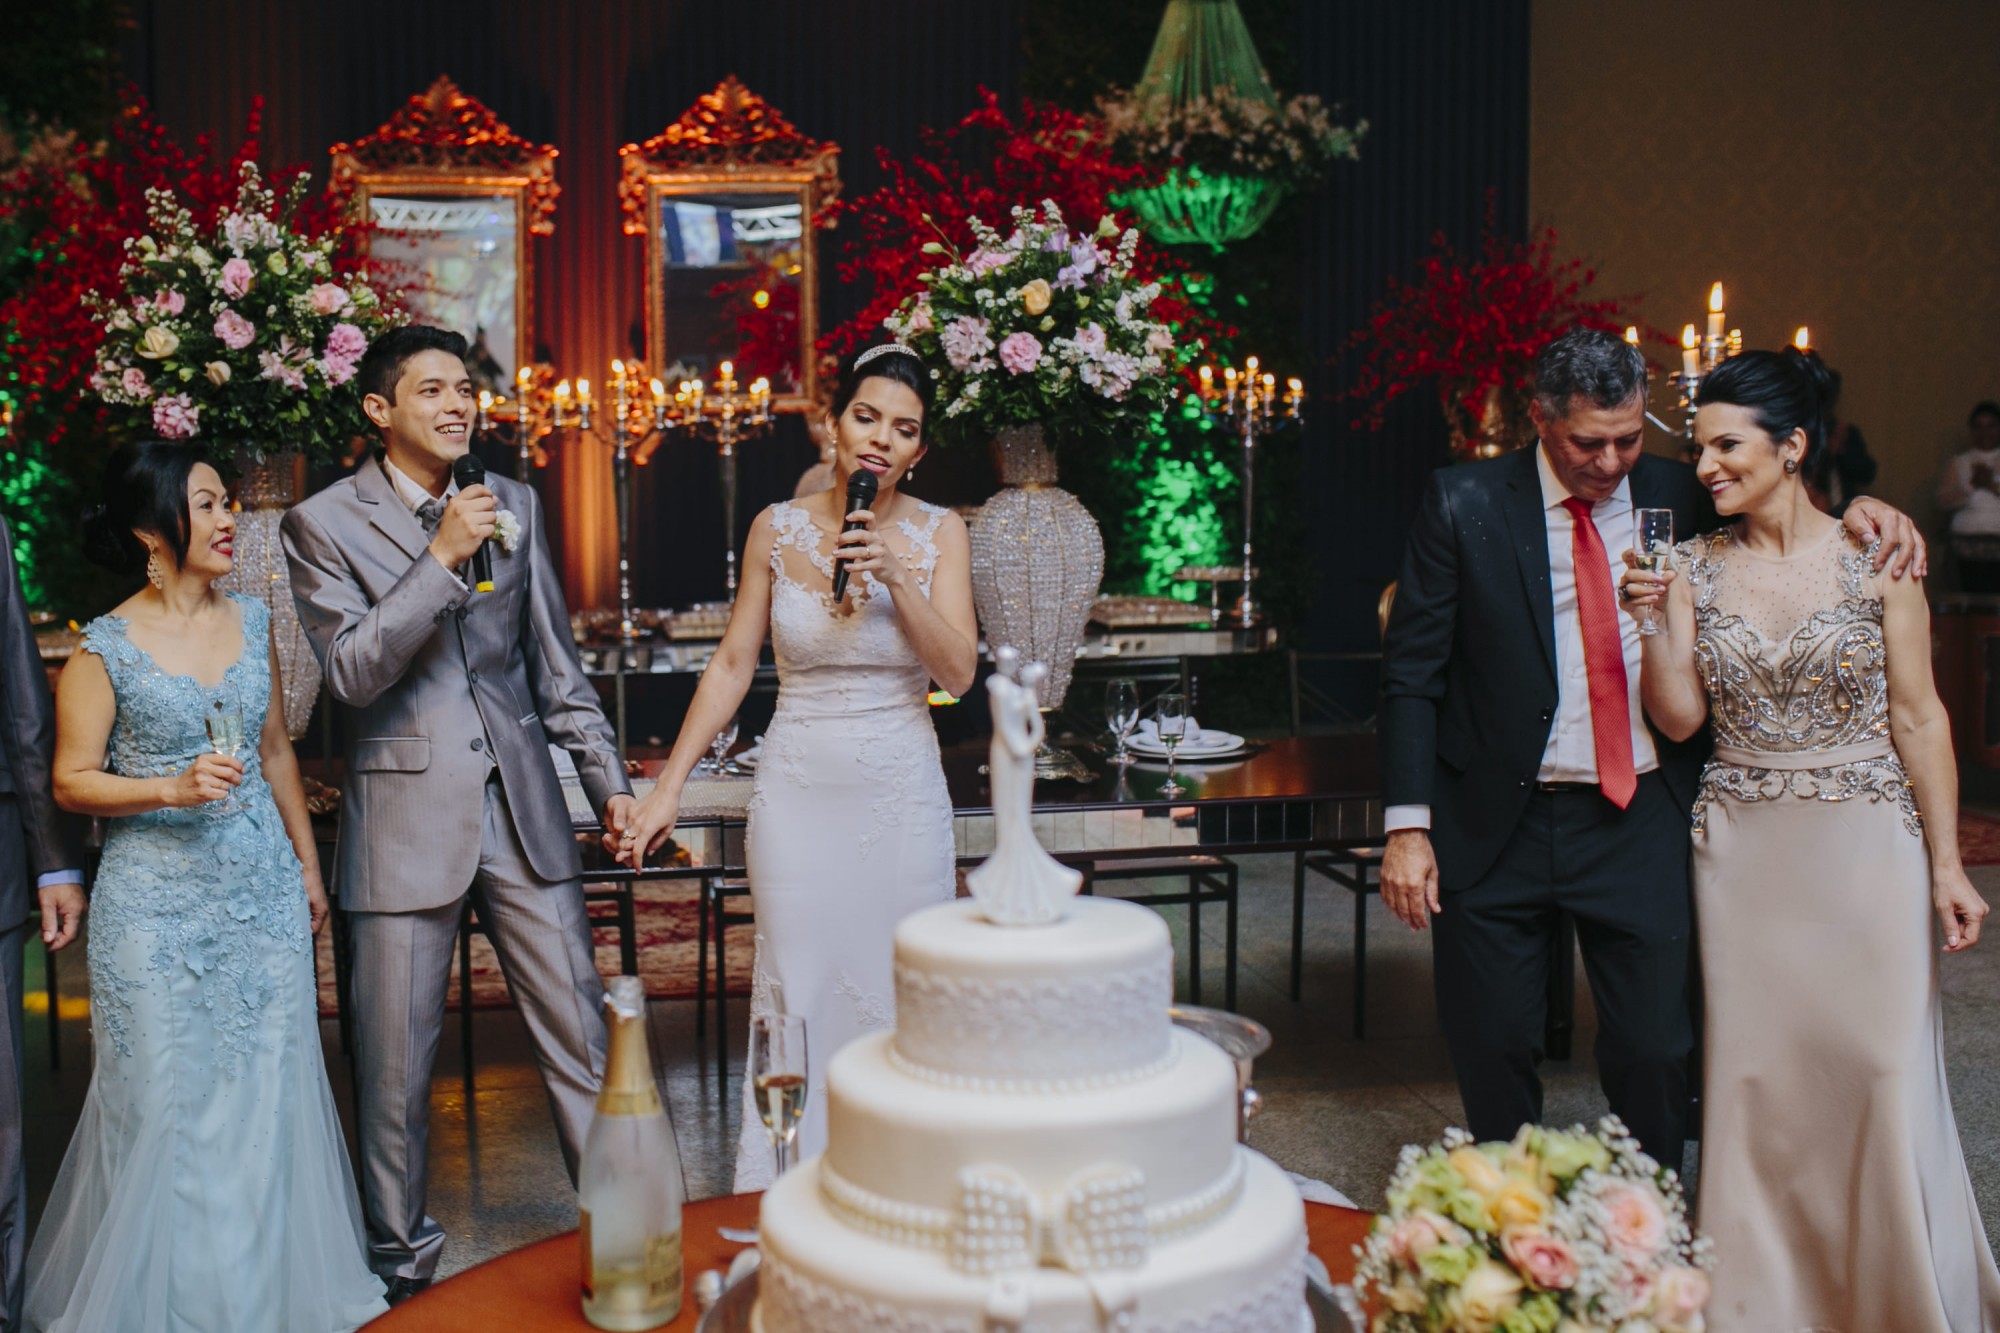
(1080, 1001)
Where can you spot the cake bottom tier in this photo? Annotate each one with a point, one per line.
(1243, 1273)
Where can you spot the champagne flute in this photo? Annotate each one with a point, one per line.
(720, 745)
(778, 1075)
(1121, 714)
(1170, 715)
(225, 736)
(1655, 539)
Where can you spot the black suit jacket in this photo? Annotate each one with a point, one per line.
(1469, 670)
(27, 749)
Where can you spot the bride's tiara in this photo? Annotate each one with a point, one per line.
(882, 350)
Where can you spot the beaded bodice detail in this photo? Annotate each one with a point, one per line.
(853, 656)
(214, 889)
(1791, 655)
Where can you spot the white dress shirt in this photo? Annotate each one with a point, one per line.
(1571, 754)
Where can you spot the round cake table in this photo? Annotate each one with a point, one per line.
(536, 1287)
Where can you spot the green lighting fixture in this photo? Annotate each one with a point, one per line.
(1203, 59)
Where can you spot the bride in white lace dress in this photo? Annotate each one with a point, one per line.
(850, 826)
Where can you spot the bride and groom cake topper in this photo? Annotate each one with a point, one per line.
(1020, 884)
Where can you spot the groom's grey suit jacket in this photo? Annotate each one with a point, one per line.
(441, 684)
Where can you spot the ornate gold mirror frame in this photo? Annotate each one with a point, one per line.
(456, 196)
(730, 199)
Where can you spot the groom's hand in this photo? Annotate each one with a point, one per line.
(1901, 547)
(468, 520)
(617, 818)
(1410, 877)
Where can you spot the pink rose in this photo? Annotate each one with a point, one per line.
(337, 370)
(1635, 1221)
(176, 417)
(236, 276)
(235, 331)
(346, 343)
(985, 261)
(327, 298)
(920, 318)
(171, 302)
(1420, 1233)
(1545, 1260)
(133, 381)
(1679, 1299)
(1020, 353)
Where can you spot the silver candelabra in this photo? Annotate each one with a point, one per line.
(1249, 405)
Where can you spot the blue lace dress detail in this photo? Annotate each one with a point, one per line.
(207, 1186)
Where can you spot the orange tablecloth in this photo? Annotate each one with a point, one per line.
(536, 1288)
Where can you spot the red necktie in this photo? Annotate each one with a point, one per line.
(1603, 658)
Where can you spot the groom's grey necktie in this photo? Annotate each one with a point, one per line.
(430, 513)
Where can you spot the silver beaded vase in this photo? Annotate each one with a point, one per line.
(1037, 558)
(265, 490)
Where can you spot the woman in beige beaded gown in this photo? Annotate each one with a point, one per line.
(1826, 868)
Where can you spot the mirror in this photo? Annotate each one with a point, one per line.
(729, 198)
(454, 196)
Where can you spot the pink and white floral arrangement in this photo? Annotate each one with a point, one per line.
(1040, 326)
(1560, 1231)
(244, 332)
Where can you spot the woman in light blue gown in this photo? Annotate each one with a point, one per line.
(207, 1189)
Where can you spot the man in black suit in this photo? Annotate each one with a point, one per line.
(35, 850)
(1521, 780)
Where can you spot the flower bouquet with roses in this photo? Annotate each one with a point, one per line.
(1556, 1232)
(244, 333)
(1040, 326)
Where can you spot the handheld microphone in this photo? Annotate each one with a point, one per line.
(861, 488)
(468, 471)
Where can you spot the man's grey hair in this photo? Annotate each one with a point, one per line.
(1595, 363)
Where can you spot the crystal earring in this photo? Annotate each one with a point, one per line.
(156, 570)
(1791, 467)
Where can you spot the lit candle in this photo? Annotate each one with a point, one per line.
(1802, 339)
(1734, 344)
(617, 371)
(1207, 389)
(582, 391)
(1251, 364)
(1715, 311)
(1690, 353)
(486, 403)
(524, 376)
(659, 392)
(561, 404)
(1632, 334)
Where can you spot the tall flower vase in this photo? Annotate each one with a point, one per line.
(265, 490)
(1037, 558)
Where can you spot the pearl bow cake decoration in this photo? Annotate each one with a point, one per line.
(1020, 884)
(1095, 1223)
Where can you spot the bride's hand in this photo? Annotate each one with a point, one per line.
(867, 553)
(647, 827)
(1959, 907)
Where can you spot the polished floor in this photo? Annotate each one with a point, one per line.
(1335, 1108)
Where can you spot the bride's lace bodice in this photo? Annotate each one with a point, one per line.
(1790, 652)
(853, 658)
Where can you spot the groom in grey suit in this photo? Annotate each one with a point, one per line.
(451, 697)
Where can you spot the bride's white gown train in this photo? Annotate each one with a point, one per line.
(850, 826)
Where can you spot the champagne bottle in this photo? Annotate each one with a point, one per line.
(629, 1184)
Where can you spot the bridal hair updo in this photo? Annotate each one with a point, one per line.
(145, 490)
(1595, 363)
(884, 361)
(1785, 391)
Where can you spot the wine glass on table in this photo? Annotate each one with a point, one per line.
(1170, 715)
(719, 747)
(225, 736)
(1653, 543)
(1121, 714)
(778, 1076)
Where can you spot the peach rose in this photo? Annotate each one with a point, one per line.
(1488, 1295)
(1420, 1233)
(157, 344)
(217, 372)
(1545, 1260)
(1679, 1299)
(1635, 1221)
(1517, 1203)
(1481, 1176)
(1035, 296)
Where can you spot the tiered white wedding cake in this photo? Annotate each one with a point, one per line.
(1035, 1148)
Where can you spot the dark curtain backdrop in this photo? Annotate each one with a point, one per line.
(1444, 84)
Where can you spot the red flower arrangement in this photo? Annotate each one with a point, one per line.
(983, 167)
(1474, 325)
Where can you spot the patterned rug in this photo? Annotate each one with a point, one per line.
(1978, 839)
(666, 919)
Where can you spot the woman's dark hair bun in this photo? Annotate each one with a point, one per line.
(145, 490)
(1785, 391)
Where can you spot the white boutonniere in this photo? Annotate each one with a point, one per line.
(508, 529)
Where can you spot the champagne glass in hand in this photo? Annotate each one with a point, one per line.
(1654, 540)
(1170, 715)
(225, 736)
(778, 1076)
(1121, 714)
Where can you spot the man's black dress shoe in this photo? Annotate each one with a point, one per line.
(402, 1288)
